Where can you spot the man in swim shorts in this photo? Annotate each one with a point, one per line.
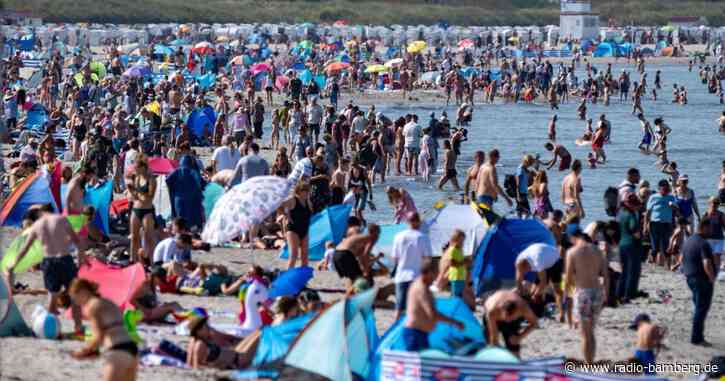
(421, 313)
(585, 264)
(352, 255)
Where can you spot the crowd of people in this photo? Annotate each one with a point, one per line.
(117, 125)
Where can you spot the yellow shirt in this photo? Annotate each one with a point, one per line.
(456, 272)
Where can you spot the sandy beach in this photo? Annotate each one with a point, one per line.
(51, 359)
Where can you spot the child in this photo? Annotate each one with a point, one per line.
(677, 240)
(649, 341)
(592, 159)
(326, 263)
(457, 270)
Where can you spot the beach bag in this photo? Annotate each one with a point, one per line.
(509, 185)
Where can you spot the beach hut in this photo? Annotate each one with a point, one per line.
(494, 259)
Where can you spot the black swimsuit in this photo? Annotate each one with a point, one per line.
(300, 217)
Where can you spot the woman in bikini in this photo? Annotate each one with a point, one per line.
(298, 213)
(141, 187)
(540, 192)
(106, 321)
(146, 300)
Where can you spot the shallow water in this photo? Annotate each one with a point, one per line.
(516, 129)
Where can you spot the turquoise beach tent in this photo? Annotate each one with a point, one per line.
(212, 192)
(345, 332)
(494, 259)
(604, 49)
(445, 337)
(11, 321)
(328, 225)
(99, 197)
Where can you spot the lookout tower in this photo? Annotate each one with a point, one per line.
(577, 21)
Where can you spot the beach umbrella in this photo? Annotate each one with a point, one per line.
(260, 67)
(222, 39)
(395, 62)
(203, 47)
(417, 46)
(336, 66)
(281, 82)
(668, 28)
(340, 23)
(183, 28)
(376, 68)
(306, 44)
(466, 43)
(513, 39)
(252, 46)
(290, 282)
(245, 205)
(163, 50)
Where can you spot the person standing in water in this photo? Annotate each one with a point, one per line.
(552, 128)
(449, 165)
(488, 189)
(561, 154)
(471, 176)
(571, 189)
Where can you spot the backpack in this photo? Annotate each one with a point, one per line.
(509, 186)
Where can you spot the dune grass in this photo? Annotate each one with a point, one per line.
(410, 12)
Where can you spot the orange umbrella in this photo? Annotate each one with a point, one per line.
(336, 66)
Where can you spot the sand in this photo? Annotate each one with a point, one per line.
(36, 359)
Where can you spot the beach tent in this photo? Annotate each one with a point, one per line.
(327, 225)
(275, 340)
(444, 338)
(604, 49)
(346, 331)
(35, 189)
(115, 284)
(11, 321)
(200, 120)
(212, 192)
(36, 118)
(99, 197)
(440, 227)
(494, 259)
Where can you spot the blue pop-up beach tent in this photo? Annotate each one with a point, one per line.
(444, 337)
(36, 118)
(494, 259)
(201, 119)
(99, 197)
(34, 190)
(328, 225)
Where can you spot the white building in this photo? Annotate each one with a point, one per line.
(577, 21)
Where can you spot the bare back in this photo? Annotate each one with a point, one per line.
(55, 234)
(487, 180)
(587, 264)
(420, 310)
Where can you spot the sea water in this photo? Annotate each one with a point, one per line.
(519, 129)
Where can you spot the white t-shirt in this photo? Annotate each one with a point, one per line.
(409, 248)
(358, 124)
(167, 251)
(225, 158)
(411, 132)
(540, 256)
(314, 114)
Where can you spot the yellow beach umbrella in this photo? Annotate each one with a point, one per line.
(377, 68)
(417, 46)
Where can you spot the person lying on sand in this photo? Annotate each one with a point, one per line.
(146, 300)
